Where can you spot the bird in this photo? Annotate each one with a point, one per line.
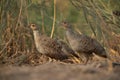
(67, 49)
(83, 44)
(47, 46)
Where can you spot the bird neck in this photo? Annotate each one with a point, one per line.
(36, 33)
(37, 36)
(70, 34)
(69, 31)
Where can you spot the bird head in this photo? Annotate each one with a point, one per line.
(65, 24)
(33, 27)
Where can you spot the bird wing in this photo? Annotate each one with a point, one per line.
(50, 45)
(52, 48)
(67, 50)
(86, 43)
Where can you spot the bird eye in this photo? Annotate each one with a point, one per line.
(33, 25)
(65, 22)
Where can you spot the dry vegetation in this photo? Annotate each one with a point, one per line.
(16, 39)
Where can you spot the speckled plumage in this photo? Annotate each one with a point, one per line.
(66, 49)
(83, 44)
(47, 46)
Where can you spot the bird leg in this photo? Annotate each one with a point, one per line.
(80, 56)
(88, 57)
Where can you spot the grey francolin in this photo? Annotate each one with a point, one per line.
(83, 44)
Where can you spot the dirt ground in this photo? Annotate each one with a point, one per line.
(60, 71)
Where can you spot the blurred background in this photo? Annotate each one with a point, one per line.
(99, 19)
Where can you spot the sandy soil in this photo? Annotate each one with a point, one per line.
(59, 71)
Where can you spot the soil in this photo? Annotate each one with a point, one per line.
(60, 71)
